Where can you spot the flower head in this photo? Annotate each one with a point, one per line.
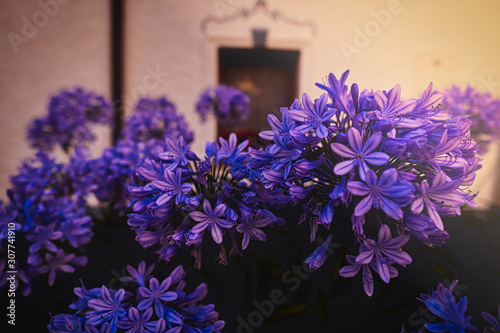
(373, 156)
(442, 303)
(384, 193)
(227, 103)
(139, 309)
(211, 219)
(68, 119)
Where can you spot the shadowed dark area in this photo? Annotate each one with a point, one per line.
(320, 301)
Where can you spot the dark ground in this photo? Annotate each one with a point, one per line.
(319, 301)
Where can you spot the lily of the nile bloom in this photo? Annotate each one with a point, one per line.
(169, 207)
(317, 258)
(177, 153)
(369, 160)
(386, 193)
(211, 219)
(359, 153)
(337, 90)
(353, 268)
(283, 127)
(42, 238)
(424, 228)
(385, 251)
(230, 149)
(76, 230)
(427, 104)
(391, 107)
(60, 262)
(68, 119)
(153, 120)
(109, 308)
(480, 108)
(84, 296)
(444, 147)
(172, 187)
(441, 194)
(155, 295)
(495, 322)
(250, 225)
(229, 105)
(182, 311)
(137, 321)
(313, 115)
(442, 303)
(139, 275)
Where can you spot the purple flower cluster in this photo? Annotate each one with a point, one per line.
(184, 199)
(47, 206)
(442, 303)
(481, 108)
(228, 104)
(451, 314)
(148, 305)
(68, 119)
(153, 121)
(111, 171)
(392, 165)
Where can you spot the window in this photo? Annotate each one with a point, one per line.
(269, 77)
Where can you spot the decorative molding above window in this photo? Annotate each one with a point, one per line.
(258, 17)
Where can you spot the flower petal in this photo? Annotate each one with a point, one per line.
(343, 167)
(372, 143)
(377, 158)
(216, 234)
(364, 206)
(342, 150)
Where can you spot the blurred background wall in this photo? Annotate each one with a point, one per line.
(382, 42)
(46, 46)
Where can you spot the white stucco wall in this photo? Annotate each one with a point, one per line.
(391, 41)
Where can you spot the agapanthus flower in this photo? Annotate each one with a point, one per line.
(451, 314)
(152, 121)
(107, 308)
(211, 219)
(140, 275)
(384, 252)
(354, 267)
(161, 308)
(251, 227)
(155, 295)
(442, 303)
(67, 123)
(111, 171)
(47, 204)
(391, 165)
(227, 103)
(495, 322)
(358, 153)
(317, 258)
(385, 193)
(313, 115)
(182, 197)
(482, 110)
(61, 262)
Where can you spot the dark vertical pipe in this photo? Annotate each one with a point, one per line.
(117, 70)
